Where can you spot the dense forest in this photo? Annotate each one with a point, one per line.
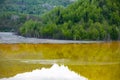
(81, 20)
(36, 7)
(14, 13)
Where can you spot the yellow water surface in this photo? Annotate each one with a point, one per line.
(96, 61)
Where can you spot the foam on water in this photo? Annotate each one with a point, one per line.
(56, 72)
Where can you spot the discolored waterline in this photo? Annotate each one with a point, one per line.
(95, 61)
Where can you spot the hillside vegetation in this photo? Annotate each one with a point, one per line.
(14, 13)
(82, 20)
(36, 7)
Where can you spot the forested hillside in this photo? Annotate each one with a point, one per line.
(35, 7)
(13, 13)
(82, 20)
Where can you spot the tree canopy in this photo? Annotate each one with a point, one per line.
(14, 13)
(82, 20)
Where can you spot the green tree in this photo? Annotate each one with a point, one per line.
(93, 33)
(114, 33)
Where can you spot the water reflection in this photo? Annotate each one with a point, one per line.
(42, 61)
(96, 61)
(64, 61)
(56, 72)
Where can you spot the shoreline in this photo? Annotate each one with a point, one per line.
(11, 38)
